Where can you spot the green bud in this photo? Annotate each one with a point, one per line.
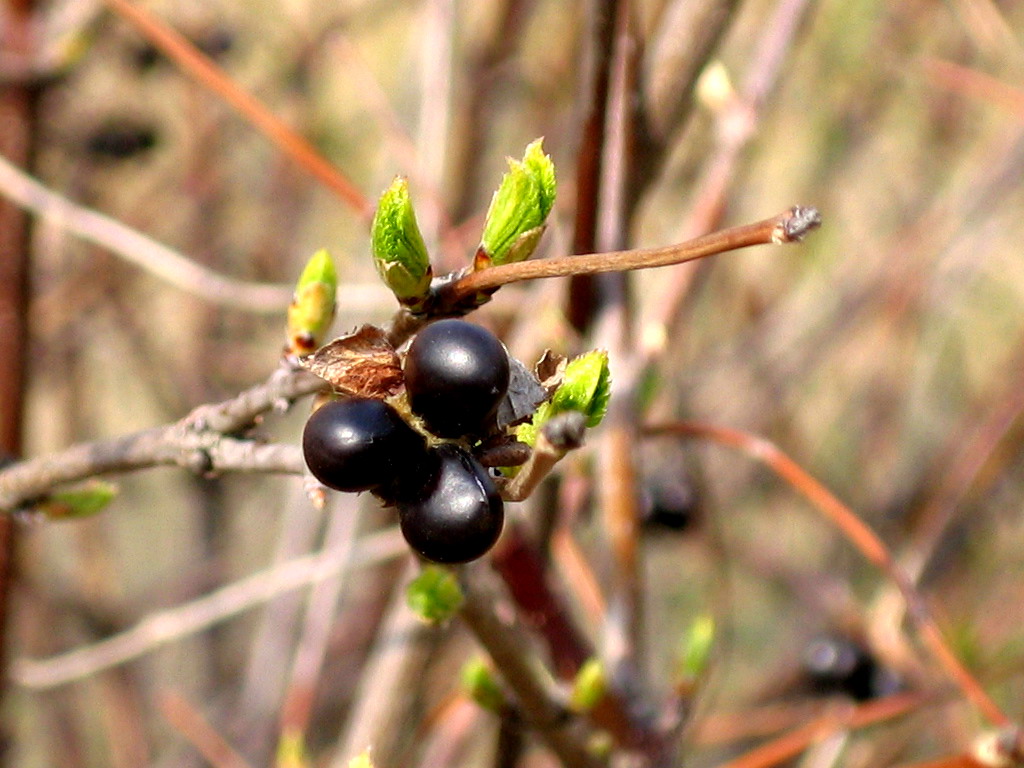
(479, 683)
(312, 309)
(398, 249)
(515, 219)
(85, 501)
(291, 751)
(697, 647)
(586, 387)
(435, 594)
(361, 760)
(588, 687)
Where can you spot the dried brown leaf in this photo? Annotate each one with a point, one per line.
(362, 364)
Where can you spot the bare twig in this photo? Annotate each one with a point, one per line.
(182, 621)
(791, 744)
(200, 442)
(860, 535)
(206, 72)
(136, 248)
(191, 724)
(788, 227)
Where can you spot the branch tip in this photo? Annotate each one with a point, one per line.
(796, 224)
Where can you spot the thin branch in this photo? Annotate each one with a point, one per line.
(199, 442)
(791, 744)
(383, 705)
(788, 227)
(321, 608)
(190, 723)
(508, 646)
(180, 622)
(860, 535)
(138, 249)
(206, 72)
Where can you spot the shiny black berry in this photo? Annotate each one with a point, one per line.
(460, 514)
(359, 444)
(456, 374)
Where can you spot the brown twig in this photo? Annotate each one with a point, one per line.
(788, 227)
(190, 723)
(19, 115)
(791, 744)
(860, 535)
(177, 47)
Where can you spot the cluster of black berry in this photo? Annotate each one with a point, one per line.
(456, 374)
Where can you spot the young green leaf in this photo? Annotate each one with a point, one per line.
(85, 501)
(585, 387)
(435, 594)
(398, 249)
(312, 309)
(519, 208)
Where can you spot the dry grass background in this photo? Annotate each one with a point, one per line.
(873, 353)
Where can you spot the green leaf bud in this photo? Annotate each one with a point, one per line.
(434, 595)
(398, 249)
(361, 760)
(312, 309)
(519, 208)
(479, 683)
(586, 387)
(85, 501)
(697, 647)
(588, 687)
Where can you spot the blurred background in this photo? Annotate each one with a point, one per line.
(884, 354)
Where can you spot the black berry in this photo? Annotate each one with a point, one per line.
(838, 665)
(359, 444)
(456, 374)
(460, 515)
(121, 139)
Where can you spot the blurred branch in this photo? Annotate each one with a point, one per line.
(381, 718)
(206, 72)
(190, 723)
(849, 717)
(737, 124)
(509, 648)
(321, 608)
(199, 442)
(173, 624)
(136, 248)
(976, 85)
(857, 533)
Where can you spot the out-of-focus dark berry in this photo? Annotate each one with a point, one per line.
(838, 665)
(121, 140)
